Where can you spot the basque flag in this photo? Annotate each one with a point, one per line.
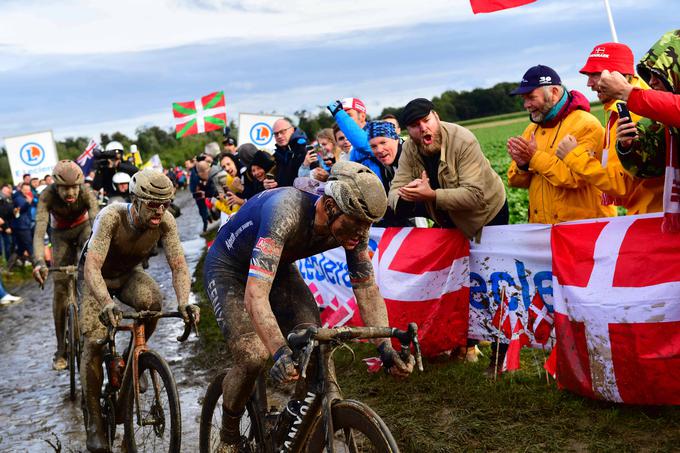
(489, 6)
(616, 287)
(424, 276)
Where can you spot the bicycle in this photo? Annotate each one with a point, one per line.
(71, 326)
(323, 421)
(140, 391)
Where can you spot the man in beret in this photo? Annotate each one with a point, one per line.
(556, 193)
(637, 195)
(442, 167)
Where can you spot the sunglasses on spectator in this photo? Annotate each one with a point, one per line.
(154, 205)
(281, 131)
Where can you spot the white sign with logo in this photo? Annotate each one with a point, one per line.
(258, 130)
(35, 154)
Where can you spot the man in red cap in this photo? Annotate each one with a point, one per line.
(637, 195)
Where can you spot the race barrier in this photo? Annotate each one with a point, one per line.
(614, 297)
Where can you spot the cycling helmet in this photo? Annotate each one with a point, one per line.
(67, 173)
(115, 146)
(357, 191)
(121, 178)
(151, 185)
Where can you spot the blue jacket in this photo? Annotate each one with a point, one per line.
(23, 222)
(361, 150)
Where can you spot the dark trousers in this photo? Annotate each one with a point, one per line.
(7, 244)
(23, 239)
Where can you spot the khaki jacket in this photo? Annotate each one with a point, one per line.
(557, 193)
(471, 192)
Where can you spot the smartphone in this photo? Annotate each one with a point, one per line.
(268, 176)
(622, 108)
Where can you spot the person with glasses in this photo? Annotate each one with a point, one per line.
(291, 149)
(70, 208)
(123, 235)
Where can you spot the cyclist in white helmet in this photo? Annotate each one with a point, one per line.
(70, 208)
(256, 289)
(122, 236)
(121, 184)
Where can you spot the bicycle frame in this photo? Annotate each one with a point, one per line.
(319, 399)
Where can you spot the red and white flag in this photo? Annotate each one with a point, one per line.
(503, 318)
(489, 6)
(517, 342)
(540, 320)
(616, 292)
(424, 276)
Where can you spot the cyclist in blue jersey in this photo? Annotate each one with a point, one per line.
(258, 294)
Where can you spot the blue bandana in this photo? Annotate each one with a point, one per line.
(381, 129)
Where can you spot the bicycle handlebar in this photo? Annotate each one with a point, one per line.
(72, 268)
(151, 314)
(300, 340)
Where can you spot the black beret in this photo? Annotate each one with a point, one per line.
(415, 110)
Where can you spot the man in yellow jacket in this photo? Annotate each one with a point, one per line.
(556, 193)
(637, 195)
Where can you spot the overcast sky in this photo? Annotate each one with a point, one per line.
(82, 67)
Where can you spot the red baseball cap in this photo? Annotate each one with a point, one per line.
(354, 104)
(612, 56)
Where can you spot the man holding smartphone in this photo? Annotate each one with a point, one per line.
(637, 195)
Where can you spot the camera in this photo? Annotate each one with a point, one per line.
(99, 154)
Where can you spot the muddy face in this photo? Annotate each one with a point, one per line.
(68, 193)
(150, 213)
(349, 231)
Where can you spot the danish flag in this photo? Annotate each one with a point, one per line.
(540, 320)
(616, 286)
(502, 318)
(424, 276)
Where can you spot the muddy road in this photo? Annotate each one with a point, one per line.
(34, 404)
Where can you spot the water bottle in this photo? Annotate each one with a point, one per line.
(288, 415)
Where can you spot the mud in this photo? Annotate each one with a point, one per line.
(34, 406)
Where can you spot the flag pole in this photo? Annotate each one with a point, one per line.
(498, 338)
(615, 38)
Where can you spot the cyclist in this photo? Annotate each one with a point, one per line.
(257, 292)
(70, 208)
(121, 182)
(123, 235)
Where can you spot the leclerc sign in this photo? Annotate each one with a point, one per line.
(35, 154)
(258, 130)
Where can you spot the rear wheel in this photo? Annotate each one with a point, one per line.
(357, 429)
(160, 426)
(109, 417)
(211, 422)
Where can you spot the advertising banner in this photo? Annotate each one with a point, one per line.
(258, 130)
(35, 154)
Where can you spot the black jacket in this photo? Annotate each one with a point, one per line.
(290, 157)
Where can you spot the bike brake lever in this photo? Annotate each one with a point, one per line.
(413, 330)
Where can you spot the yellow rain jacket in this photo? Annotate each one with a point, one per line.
(637, 195)
(556, 193)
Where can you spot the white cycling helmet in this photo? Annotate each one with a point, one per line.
(121, 178)
(114, 146)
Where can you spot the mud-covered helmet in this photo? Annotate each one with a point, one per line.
(151, 185)
(67, 173)
(121, 178)
(357, 191)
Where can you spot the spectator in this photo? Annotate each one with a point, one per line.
(342, 142)
(660, 69)
(386, 147)
(261, 171)
(21, 225)
(350, 114)
(205, 190)
(320, 159)
(291, 144)
(6, 217)
(229, 145)
(212, 149)
(228, 184)
(556, 193)
(443, 168)
(49, 180)
(637, 195)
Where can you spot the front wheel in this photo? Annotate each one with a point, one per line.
(211, 422)
(357, 429)
(72, 348)
(158, 427)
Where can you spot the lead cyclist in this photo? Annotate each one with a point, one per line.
(258, 294)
